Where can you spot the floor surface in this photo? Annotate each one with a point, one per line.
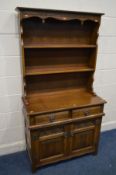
(102, 164)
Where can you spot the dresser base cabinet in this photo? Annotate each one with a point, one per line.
(56, 142)
(62, 112)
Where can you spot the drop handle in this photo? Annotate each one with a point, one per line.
(65, 134)
(86, 113)
(52, 118)
(71, 134)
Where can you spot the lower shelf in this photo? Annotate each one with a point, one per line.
(61, 100)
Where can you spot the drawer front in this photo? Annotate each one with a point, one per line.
(49, 118)
(87, 111)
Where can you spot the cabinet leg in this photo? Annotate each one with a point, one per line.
(33, 168)
(95, 152)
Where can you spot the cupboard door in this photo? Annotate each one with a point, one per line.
(83, 137)
(50, 145)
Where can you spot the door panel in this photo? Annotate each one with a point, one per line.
(55, 143)
(50, 145)
(51, 148)
(82, 137)
(82, 140)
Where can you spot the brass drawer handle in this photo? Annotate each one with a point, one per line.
(52, 118)
(71, 134)
(86, 113)
(65, 134)
(35, 137)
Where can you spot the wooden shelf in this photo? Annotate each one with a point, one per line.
(60, 45)
(41, 70)
(60, 100)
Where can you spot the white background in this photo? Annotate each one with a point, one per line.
(11, 118)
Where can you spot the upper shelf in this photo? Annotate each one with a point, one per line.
(50, 61)
(41, 70)
(46, 45)
(58, 34)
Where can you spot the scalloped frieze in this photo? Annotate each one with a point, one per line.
(62, 17)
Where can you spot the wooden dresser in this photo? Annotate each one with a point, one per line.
(62, 113)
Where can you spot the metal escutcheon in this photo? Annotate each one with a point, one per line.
(52, 118)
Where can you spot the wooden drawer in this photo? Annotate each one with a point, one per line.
(87, 111)
(49, 118)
